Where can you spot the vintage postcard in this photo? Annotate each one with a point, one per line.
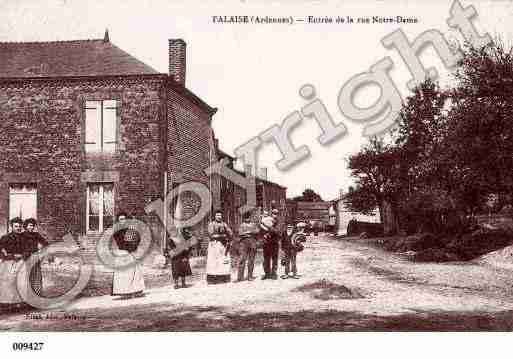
(255, 166)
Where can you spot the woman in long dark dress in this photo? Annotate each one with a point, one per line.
(33, 241)
(12, 254)
(180, 266)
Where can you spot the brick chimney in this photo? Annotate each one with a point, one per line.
(177, 51)
(263, 173)
(248, 170)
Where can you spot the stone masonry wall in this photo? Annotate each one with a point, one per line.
(190, 151)
(42, 141)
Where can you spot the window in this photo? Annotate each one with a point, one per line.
(23, 200)
(100, 126)
(100, 206)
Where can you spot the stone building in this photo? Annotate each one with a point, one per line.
(313, 213)
(291, 211)
(269, 195)
(88, 130)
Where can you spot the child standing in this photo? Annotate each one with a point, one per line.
(292, 244)
(180, 266)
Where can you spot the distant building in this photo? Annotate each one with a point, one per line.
(332, 212)
(343, 215)
(314, 213)
(291, 211)
(269, 195)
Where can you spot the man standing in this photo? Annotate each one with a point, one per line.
(269, 227)
(248, 247)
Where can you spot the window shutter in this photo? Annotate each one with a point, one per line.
(109, 125)
(92, 125)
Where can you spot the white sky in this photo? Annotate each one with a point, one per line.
(252, 73)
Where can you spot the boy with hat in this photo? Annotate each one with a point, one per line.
(292, 244)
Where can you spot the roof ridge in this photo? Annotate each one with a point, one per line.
(67, 58)
(49, 42)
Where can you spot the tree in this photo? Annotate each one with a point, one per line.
(450, 151)
(423, 180)
(480, 135)
(375, 170)
(309, 195)
(420, 132)
(359, 199)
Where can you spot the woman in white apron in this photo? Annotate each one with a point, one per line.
(218, 256)
(128, 282)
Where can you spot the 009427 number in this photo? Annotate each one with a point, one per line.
(27, 346)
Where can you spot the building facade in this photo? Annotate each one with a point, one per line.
(291, 211)
(343, 216)
(313, 213)
(269, 195)
(87, 130)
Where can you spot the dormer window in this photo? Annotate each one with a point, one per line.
(100, 126)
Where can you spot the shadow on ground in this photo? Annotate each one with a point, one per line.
(215, 318)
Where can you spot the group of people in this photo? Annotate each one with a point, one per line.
(128, 281)
(251, 236)
(266, 233)
(16, 248)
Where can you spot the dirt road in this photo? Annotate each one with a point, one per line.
(345, 285)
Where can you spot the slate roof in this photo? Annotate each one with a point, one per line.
(222, 154)
(98, 57)
(259, 180)
(303, 205)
